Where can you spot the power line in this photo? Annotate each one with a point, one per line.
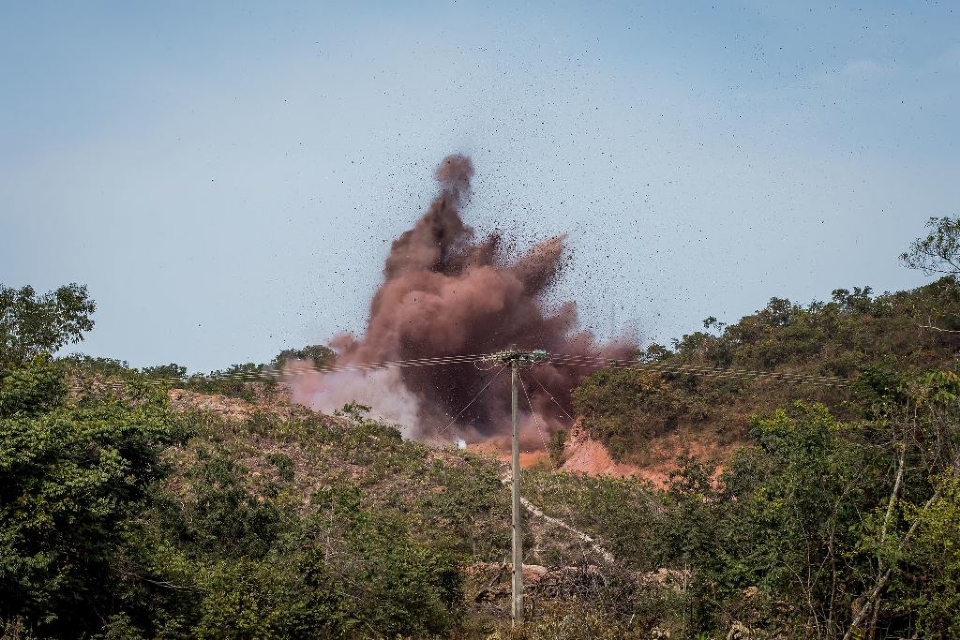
(469, 404)
(583, 358)
(554, 399)
(386, 364)
(536, 415)
(276, 374)
(556, 359)
(719, 372)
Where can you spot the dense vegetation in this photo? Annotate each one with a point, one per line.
(149, 503)
(891, 335)
(122, 517)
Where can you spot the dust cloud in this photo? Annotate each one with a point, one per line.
(446, 292)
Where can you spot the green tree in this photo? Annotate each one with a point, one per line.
(172, 371)
(70, 478)
(318, 354)
(71, 474)
(625, 408)
(930, 589)
(31, 324)
(939, 251)
(785, 520)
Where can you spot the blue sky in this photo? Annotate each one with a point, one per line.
(226, 177)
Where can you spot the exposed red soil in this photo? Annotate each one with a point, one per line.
(500, 449)
(584, 455)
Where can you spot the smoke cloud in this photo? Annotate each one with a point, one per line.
(446, 293)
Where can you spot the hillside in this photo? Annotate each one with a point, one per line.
(840, 353)
(148, 504)
(257, 518)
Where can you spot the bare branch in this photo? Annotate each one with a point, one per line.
(885, 576)
(932, 326)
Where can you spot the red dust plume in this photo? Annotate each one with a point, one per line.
(447, 293)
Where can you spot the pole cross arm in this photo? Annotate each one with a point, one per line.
(517, 355)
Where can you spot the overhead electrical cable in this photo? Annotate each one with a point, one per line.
(475, 398)
(537, 418)
(719, 372)
(555, 359)
(269, 373)
(554, 400)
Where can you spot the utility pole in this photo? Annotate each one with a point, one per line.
(516, 608)
(515, 358)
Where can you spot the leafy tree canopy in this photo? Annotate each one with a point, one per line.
(31, 324)
(939, 251)
(318, 354)
(72, 475)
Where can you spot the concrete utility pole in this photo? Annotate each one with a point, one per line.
(515, 358)
(516, 609)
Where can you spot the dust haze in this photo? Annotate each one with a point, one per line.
(446, 292)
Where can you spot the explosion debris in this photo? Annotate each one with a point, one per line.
(447, 293)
